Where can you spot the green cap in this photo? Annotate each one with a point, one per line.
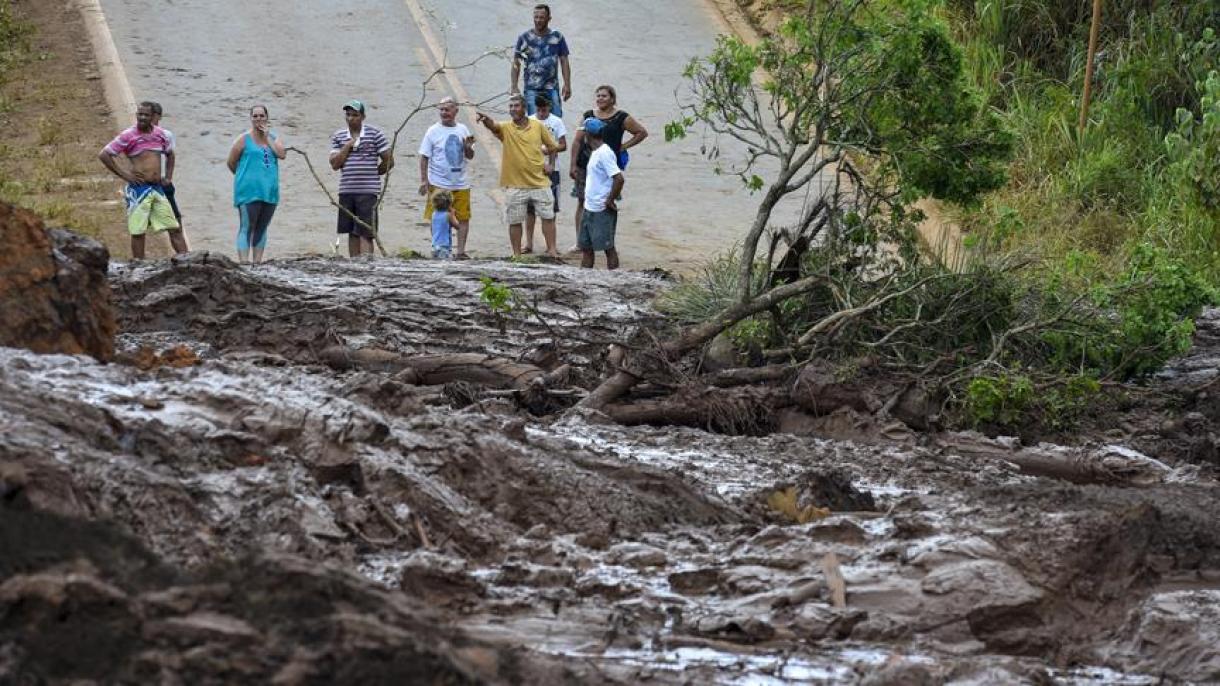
(354, 105)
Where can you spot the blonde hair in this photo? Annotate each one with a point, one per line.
(442, 200)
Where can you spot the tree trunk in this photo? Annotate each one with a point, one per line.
(436, 370)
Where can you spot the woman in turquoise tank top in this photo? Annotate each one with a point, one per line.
(255, 163)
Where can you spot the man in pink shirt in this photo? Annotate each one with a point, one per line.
(142, 148)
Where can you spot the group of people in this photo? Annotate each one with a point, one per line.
(532, 139)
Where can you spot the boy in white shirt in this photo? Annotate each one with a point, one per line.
(603, 183)
(559, 132)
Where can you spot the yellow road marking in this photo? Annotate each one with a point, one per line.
(455, 84)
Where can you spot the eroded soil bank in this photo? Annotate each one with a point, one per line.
(260, 489)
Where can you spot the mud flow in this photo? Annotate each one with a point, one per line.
(287, 477)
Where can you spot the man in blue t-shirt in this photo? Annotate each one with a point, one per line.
(544, 52)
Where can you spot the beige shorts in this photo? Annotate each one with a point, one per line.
(520, 199)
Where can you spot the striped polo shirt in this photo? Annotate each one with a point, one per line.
(359, 174)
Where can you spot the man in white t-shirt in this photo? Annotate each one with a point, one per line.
(603, 183)
(543, 113)
(444, 161)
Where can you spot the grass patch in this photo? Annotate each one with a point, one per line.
(48, 163)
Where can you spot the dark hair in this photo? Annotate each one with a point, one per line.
(609, 89)
(265, 110)
(543, 6)
(155, 108)
(542, 101)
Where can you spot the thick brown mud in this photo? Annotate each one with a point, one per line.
(235, 501)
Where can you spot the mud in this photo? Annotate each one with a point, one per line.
(223, 504)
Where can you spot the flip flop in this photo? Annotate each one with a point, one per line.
(527, 251)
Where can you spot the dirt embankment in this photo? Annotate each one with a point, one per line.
(278, 481)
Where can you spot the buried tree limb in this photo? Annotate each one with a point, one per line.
(1111, 465)
(623, 380)
(743, 410)
(436, 370)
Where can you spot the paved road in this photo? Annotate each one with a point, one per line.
(207, 61)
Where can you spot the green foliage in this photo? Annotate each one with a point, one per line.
(707, 293)
(999, 400)
(1155, 302)
(1141, 172)
(1193, 147)
(750, 334)
(14, 38)
(899, 96)
(409, 254)
(1012, 402)
(498, 298)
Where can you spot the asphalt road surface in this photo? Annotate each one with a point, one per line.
(208, 61)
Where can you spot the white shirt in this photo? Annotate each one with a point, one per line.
(599, 177)
(557, 128)
(445, 148)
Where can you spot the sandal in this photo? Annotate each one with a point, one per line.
(527, 251)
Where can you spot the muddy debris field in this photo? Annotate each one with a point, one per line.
(287, 476)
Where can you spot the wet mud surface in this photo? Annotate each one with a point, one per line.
(232, 500)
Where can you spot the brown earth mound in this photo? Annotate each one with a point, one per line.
(53, 291)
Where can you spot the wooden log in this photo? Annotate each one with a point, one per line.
(436, 370)
(1109, 464)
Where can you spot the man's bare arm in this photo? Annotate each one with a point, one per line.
(488, 122)
(111, 162)
(338, 158)
(387, 163)
(566, 93)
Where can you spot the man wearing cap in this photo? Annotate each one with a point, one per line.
(363, 154)
(545, 53)
(603, 183)
(522, 172)
(444, 156)
(142, 148)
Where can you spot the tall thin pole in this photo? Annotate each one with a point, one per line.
(1088, 69)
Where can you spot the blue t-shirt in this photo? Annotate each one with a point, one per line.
(442, 233)
(541, 57)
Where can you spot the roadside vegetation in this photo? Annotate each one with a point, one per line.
(1086, 254)
(57, 123)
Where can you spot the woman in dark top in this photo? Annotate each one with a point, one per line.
(618, 123)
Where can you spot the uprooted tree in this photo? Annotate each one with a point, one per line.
(853, 111)
(859, 108)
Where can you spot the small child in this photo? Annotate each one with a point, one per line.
(443, 225)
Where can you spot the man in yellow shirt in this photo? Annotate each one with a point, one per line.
(527, 143)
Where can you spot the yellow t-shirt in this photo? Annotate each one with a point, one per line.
(521, 166)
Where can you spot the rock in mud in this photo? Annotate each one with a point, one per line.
(54, 297)
(1178, 633)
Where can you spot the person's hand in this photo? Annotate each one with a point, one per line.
(469, 143)
(573, 175)
(135, 176)
(567, 92)
(480, 117)
(546, 167)
(423, 189)
(611, 205)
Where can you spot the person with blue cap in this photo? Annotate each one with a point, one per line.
(603, 184)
